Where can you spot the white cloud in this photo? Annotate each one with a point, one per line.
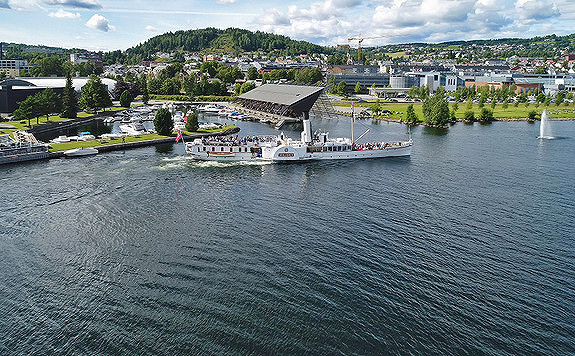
(226, 1)
(273, 17)
(536, 9)
(99, 22)
(82, 4)
(62, 14)
(320, 21)
(151, 28)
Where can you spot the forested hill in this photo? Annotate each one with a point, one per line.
(214, 40)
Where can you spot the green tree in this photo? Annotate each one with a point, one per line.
(48, 66)
(229, 74)
(505, 104)
(247, 86)
(154, 85)
(481, 102)
(423, 92)
(48, 102)
(144, 86)
(252, 73)
(126, 99)
(493, 103)
(170, 86)
(559, 97)
(192, 122)
(70, 101)
(27, 109)
(94, 95)
(455, 107)
(341, 88)
(376, 108)
(189, 84)
(469, 104)
(486, 115)
(163, 122)
(309, 75)
(210, 67)
(413, 92)
(436, 109)
(357, 88)
(332, 85)
(411, 117)
(532, 115)
(469, 116)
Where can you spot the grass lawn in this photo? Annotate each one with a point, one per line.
(511, 113)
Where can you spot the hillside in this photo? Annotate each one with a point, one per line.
(213, 40)
(549, 46)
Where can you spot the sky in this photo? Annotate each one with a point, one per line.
(110, 25)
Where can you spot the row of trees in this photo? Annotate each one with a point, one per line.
(47, 66)
(94, 97)
(42, 103)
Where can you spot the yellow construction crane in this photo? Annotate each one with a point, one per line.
(360, 39)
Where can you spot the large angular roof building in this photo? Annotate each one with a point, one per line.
(281, 99)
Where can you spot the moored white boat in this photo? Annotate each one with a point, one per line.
(210, 108)
(85, 136)
(82, 151)
(135, 128)
(61, 139)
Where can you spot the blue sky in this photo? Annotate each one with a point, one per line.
(110, 25)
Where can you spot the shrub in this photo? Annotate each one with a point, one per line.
(532, 115)
(486, 115)
(469, 116)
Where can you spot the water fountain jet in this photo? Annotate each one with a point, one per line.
(544, 128)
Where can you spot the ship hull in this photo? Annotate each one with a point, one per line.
(23, 157)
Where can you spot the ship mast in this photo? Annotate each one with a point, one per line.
(352, 120)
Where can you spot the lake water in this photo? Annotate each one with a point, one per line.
(467, 247)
